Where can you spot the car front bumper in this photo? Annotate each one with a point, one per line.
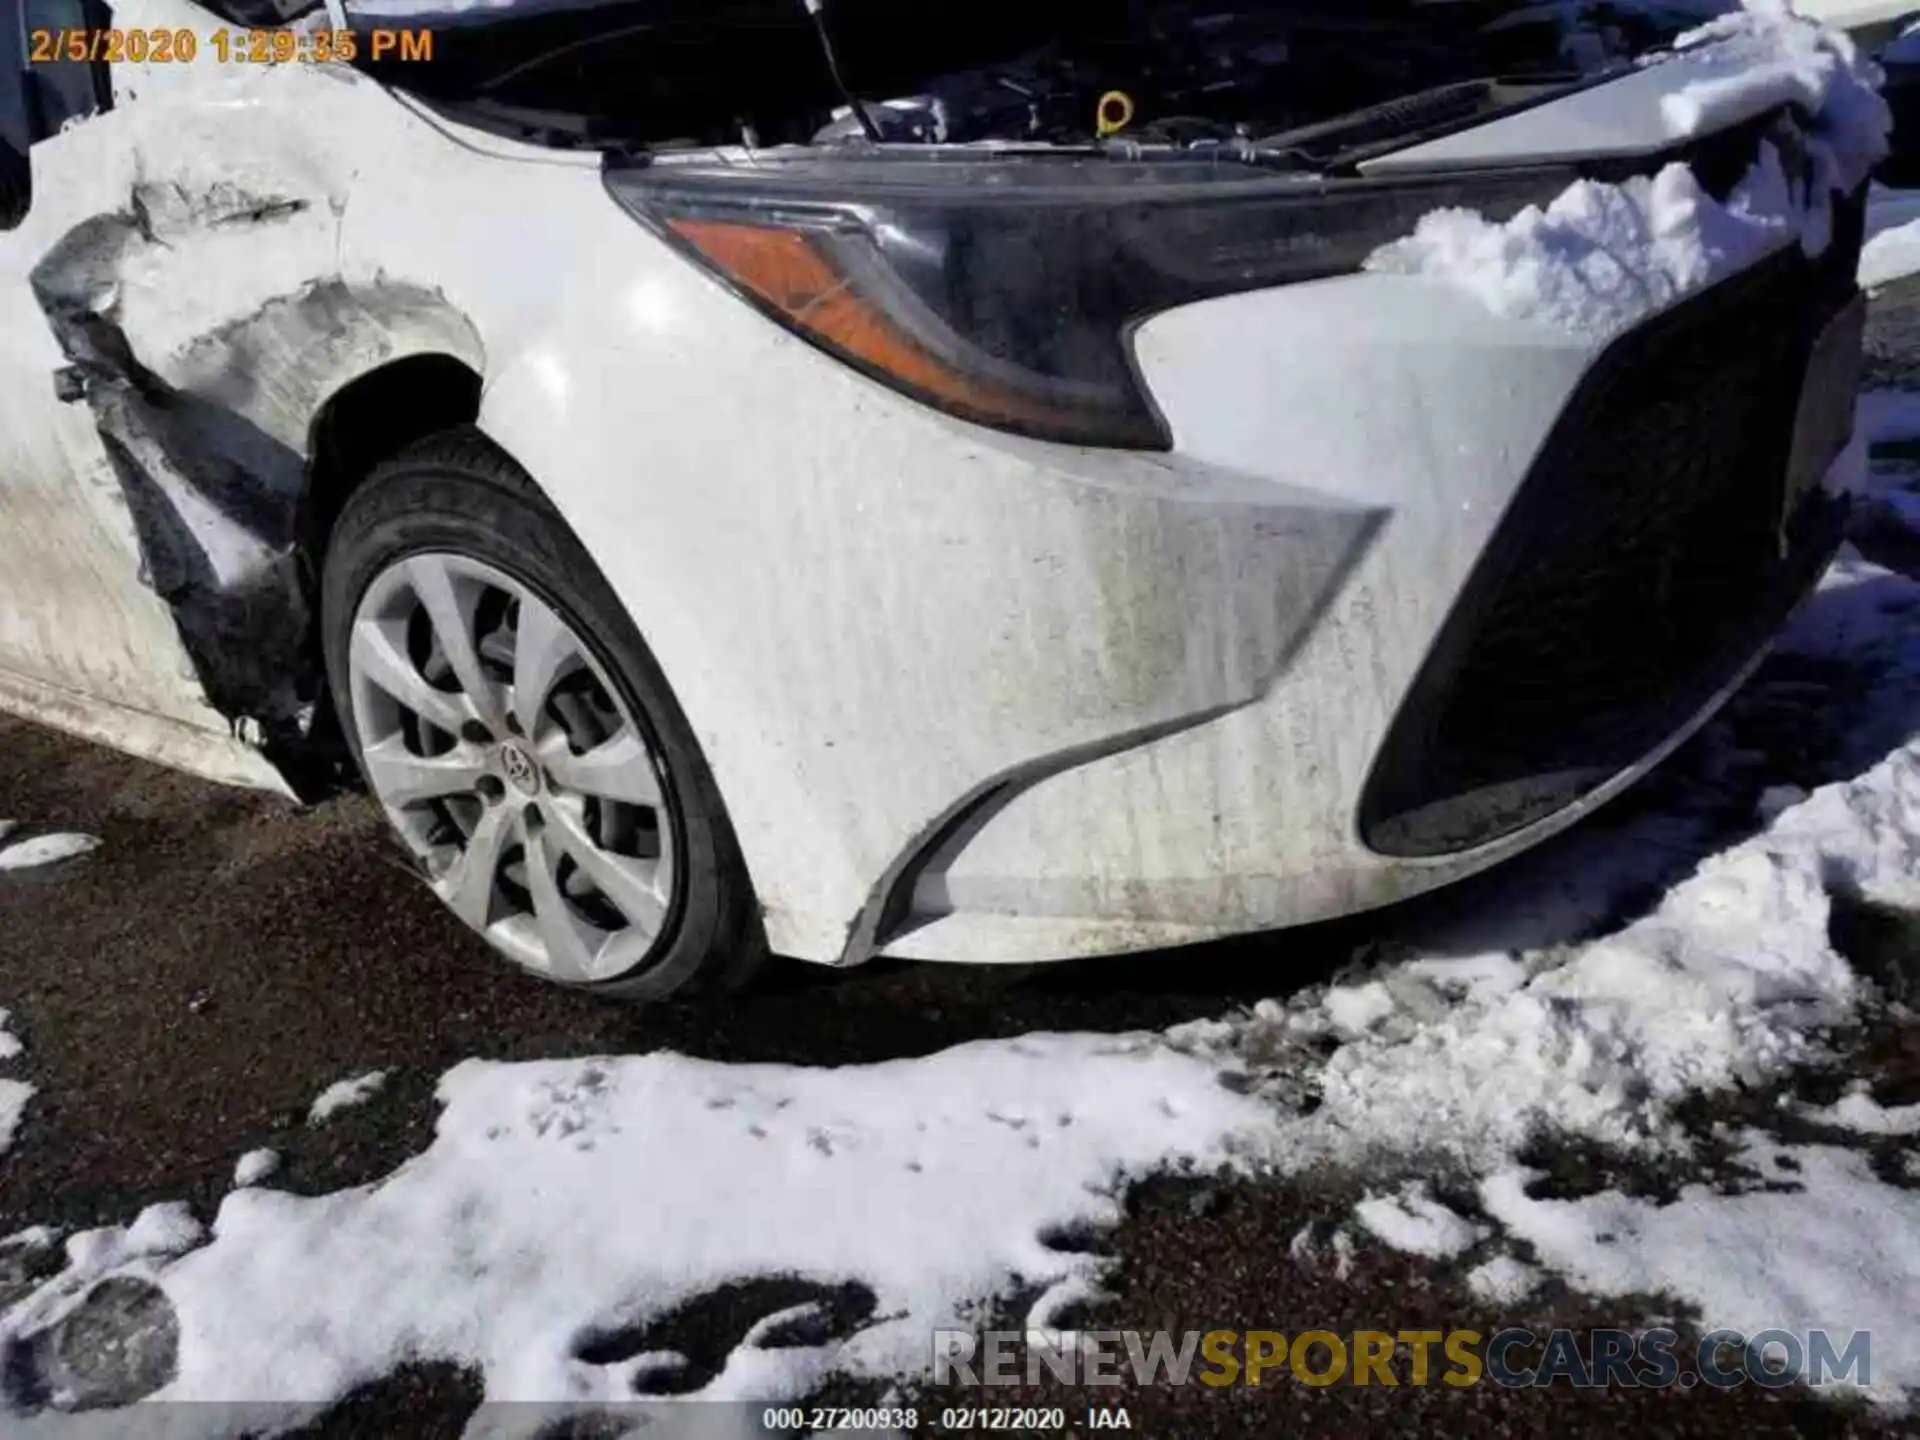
(975, 697)
(1543, 618)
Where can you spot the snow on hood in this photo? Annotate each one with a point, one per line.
(1603, 256)
(1784, 58)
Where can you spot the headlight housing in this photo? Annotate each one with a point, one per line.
(1004, 287)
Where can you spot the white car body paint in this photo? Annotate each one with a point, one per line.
(1179, 666)
(1626, 117)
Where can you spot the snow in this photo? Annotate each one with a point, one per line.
(1893, 237)
(166, 1229)
(1603, 256)
(1859, 1112)
(1355, 1009)
(345, 1095)
(1503, 1280)
(1890, 255)
(1414, 1222)
(41, 850)
(253, 1167)
(564, 1195)
(159, 1231)
(1827, 1245)
(1729, 979)
(1768, 56)
(14, 1094)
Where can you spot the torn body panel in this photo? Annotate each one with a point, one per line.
(213, 500)
(215, 464)
(204, 398)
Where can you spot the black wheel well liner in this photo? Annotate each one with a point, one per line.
(367, 421)
(372, 418)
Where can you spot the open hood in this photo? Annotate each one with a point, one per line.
(650, 73)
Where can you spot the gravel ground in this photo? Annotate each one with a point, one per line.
(187, 990)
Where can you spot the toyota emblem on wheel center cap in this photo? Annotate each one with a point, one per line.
(520, 769)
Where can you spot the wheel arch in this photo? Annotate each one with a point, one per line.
(374, 416)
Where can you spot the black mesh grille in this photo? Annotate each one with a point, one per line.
(1638, 569)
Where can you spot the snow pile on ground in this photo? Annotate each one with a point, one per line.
(166, 1229)
(1503, 1280)
(1859, 1112)
(1730, 980)
(1890, 255)
(567, 1197)
(39, 850)
(254, 1166)
(1892, 250)
(1603, 256)
(14, 1094)
(1834, 1249)
(1415, 1222)
(157, 1232)
(1466, 1054)
(345, 1095)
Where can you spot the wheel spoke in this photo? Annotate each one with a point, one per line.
(378, 657)
(616, 769)
(543, 650)
(451, 613)
(570, 906)
(400, 777)
(468, 885)
(630, 884)
(570, 953)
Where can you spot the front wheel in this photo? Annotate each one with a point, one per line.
(519, 736)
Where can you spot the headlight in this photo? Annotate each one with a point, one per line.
(1005, 288)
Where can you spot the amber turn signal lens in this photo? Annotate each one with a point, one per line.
(788, 271)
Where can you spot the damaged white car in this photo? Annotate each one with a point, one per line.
(981, 482)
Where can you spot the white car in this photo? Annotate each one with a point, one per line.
(973, 482)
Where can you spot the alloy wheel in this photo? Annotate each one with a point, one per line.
(512, 768)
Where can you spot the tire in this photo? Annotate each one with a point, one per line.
(456, 498)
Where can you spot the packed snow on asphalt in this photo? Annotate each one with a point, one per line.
(568, 1199)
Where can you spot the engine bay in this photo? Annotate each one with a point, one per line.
(664, 74)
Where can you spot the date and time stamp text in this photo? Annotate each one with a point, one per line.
(185, 46)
